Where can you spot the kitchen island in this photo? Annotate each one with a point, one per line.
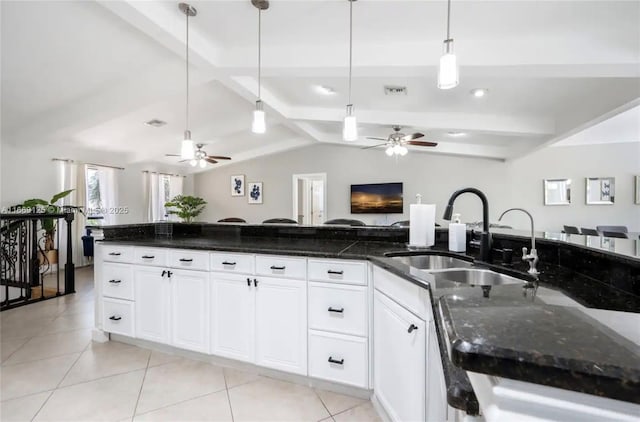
(461, 355)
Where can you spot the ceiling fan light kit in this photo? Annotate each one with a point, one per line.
(448, 72)
(259, 124)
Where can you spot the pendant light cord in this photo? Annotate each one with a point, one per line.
(187, 71)
(259, 54)
(350, 45)
(448, 18)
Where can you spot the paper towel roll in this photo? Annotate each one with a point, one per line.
(422, 225)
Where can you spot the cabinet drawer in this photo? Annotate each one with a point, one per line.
(189, 260)
(338, 308)
(150, 256)
(117, 253)
(117, 280)
(338, 358)
(281, 267)
(338, 271)
(118, 317)
(233, 263)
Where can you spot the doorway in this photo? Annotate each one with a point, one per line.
(310, 198)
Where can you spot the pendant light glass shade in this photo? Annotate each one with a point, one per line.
(350, 128)
(187, 151)
(259, 124)
(448, 74)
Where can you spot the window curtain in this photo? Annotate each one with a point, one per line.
(175, 189)
(155, 212)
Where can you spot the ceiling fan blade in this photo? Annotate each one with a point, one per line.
(374, 146)
(422, 143)
(412, 136)
(172, 155)
(218, 157)
(377, 139)
(210, 160)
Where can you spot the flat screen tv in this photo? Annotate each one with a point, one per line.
(377, 198)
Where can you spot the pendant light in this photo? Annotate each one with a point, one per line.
(259, 123)
(448, 74)
(350, 128)
(187, 151)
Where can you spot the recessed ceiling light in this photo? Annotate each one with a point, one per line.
(456, 134)
(155, 123)
(325, 90)
(479, 92)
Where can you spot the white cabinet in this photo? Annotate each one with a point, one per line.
(281, 324)
(233, 316)
(190, 310)
(437, 408)
(399, 360)
(152, 293)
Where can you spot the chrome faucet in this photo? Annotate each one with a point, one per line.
(485, 236)
(532, 256)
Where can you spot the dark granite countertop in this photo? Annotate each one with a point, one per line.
(509, 340)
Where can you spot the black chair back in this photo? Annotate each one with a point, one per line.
(403, 223)
(619, 235)
(571, 230)
(279, 221)
(345, 222)
(619, 229)
(232, 220)
(589, 232)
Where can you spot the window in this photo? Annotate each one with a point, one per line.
(94, 200)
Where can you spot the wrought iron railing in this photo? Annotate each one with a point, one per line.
(28, 272)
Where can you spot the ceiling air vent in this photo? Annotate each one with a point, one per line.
(395, 90)
(155, 123)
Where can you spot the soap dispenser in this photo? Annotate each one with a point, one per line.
(457, 235)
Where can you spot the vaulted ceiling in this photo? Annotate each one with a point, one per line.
(85, 73)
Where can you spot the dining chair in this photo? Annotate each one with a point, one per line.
(619, 229)
(571, 230)
(589, 232)
(279, 221)
(345, 222)
(618, 235)
(232, 220)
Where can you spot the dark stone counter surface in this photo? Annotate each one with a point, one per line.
(507, 334)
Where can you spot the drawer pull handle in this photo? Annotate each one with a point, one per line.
(332, 272)
(255, 282)
(228, 263)
(114, 253)
(337, 362)
(186, 259)
(115, 318)
(276, 268)
(248, 282)
(412, 327)
(115, 281)
(148, 256)
(339, 311)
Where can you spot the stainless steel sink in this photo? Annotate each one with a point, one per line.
(432, 262)
(472, 277)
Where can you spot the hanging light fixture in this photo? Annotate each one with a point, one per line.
(350, 128)
(187, 151)
(259, 123)
(448, 74)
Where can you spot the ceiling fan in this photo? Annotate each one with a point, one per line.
(200, 157)
(397, 140)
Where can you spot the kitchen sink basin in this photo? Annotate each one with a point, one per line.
(472, 277)
(432, 262)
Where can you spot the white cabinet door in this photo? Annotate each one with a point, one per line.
(399, 360)
(281, 324)
(233, 316)
(152, 293)
(437, 407)
(190, 310)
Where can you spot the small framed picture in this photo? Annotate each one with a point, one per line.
(237, 185)
(255, 193)
(637, 201)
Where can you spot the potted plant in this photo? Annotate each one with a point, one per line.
(186, 207)
(48, 224)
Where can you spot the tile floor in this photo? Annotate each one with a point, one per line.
(51, 371)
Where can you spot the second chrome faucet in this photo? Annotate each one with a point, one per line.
(532, 256)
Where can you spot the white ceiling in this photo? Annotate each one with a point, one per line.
(91, 73)
(621, 128)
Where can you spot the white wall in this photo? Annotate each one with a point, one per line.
(515, 183)
(30, 173)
